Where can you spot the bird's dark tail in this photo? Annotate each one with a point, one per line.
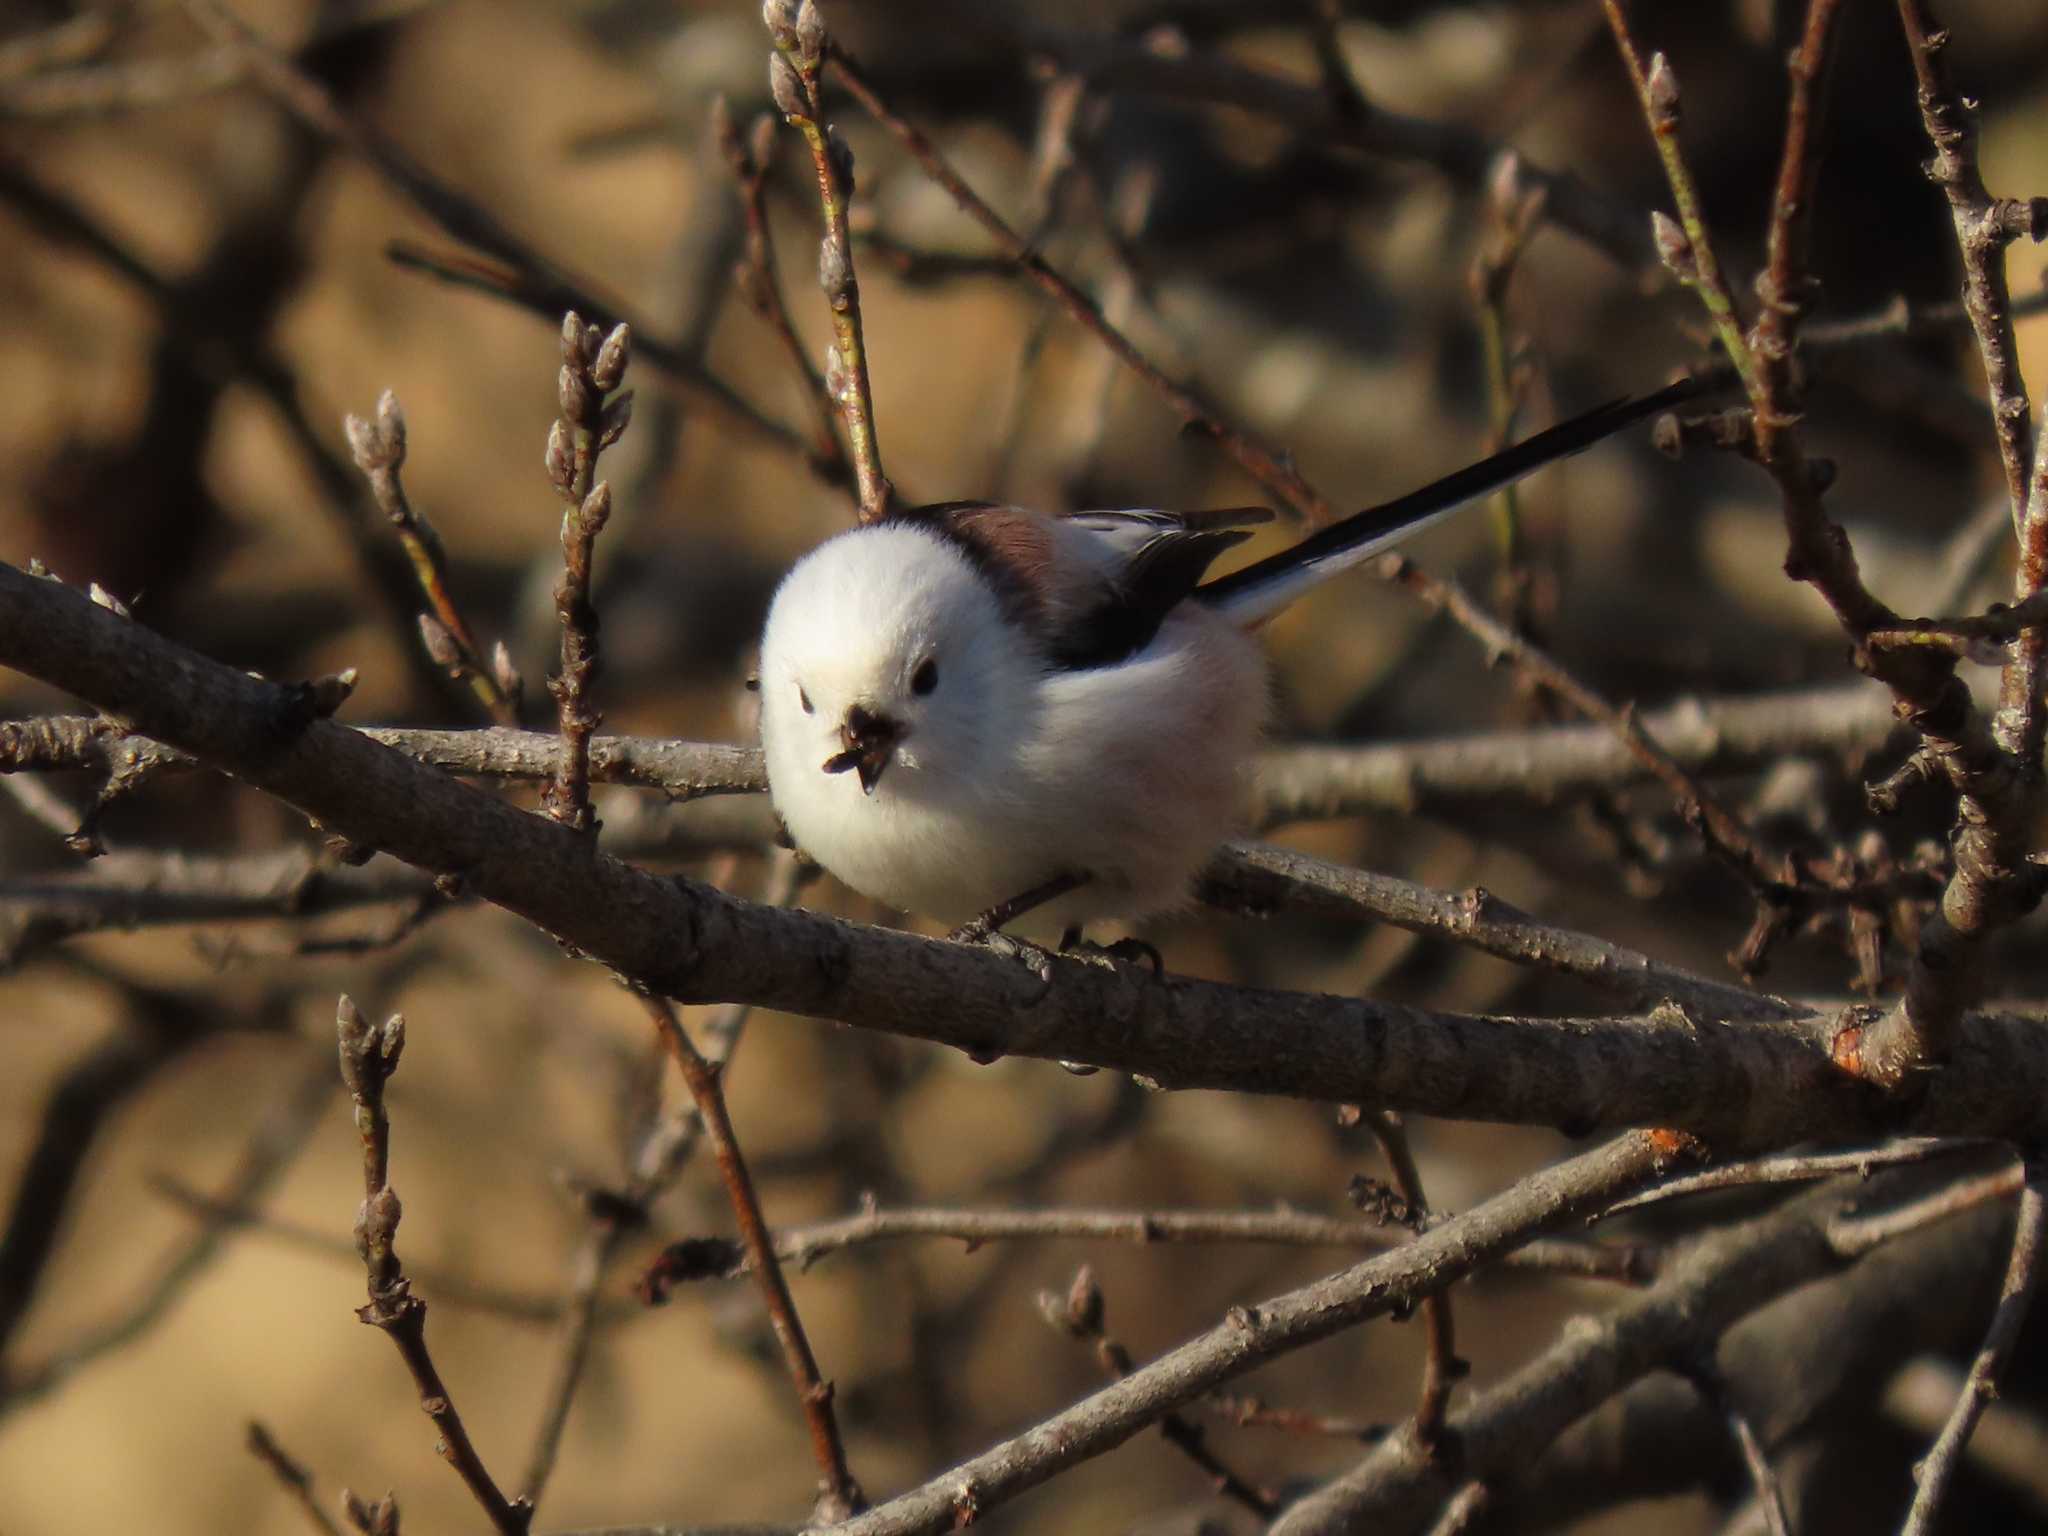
(1262, 589)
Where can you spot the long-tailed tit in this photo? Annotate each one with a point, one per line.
(968, 702)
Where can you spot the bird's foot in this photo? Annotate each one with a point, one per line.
(1037, 961)
(981, 929)
(1127, 950)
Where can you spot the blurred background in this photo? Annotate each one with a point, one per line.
(195, 289)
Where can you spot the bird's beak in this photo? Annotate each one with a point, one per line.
(870, 740)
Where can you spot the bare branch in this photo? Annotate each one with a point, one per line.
(595, 412)
(1710, 1285)
(378, 445)
(297, 1481)
(2009, 1443)
(2022, 1275)
(839, 1496)
(801, 45)
(804, 1246)
(1252, 1335)
(1264, 464)
(369, 1055)
(1762, 1086)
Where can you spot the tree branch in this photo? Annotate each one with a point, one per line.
(1757, 1087)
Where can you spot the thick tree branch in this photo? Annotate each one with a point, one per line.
(1716, 1281)
(1253, 1335)
(1759, 1086)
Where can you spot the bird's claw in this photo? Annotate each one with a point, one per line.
(1036, 960)
(975, 931)
(1127, 950)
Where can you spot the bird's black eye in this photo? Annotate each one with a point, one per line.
(925, 678)
(804, 699)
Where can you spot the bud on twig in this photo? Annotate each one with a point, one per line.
(504, 673)
(369, 1054)
(561, 459)
(596, 510)
(810, 31)
(609, 366)
(1673, 248)
(1084, 1303)
(573, 386)
(378, 444)
(105, 599)
(841, 155)
(324, 695)
(780, 18)
(616, 417)
(786, 88)
(1660, 88)
(439, 643)
(835, 270)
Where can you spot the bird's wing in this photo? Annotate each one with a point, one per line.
(1151, 562)
(1091, 588)
(1132, 528)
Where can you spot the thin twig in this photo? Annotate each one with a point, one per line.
(378, 446)
(2023, 1273)
(1441, 1367)
(1080, 1315)
(839, 1496)
(804, 1246)
(1705, 1375)
(1294, 783)
(450, 1288)
(1716, 1280)
(595, 412)
(1514, 213)
(2010, 1442)
(615, 1215)
(1783, 288)
(1252, 1335)
(369, 1055)
(297, 1481)
(1686, 248)
(1998, 781)
(751, 159)
(1991, 883)
(1268, 466)
(1467, 1507)
(1856, 1231)
(1802, 1168)
(1720, 828)
(798, 32)
(1984, 226)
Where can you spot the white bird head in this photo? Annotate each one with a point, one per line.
(885, 648)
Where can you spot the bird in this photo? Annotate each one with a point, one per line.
(977, 712)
